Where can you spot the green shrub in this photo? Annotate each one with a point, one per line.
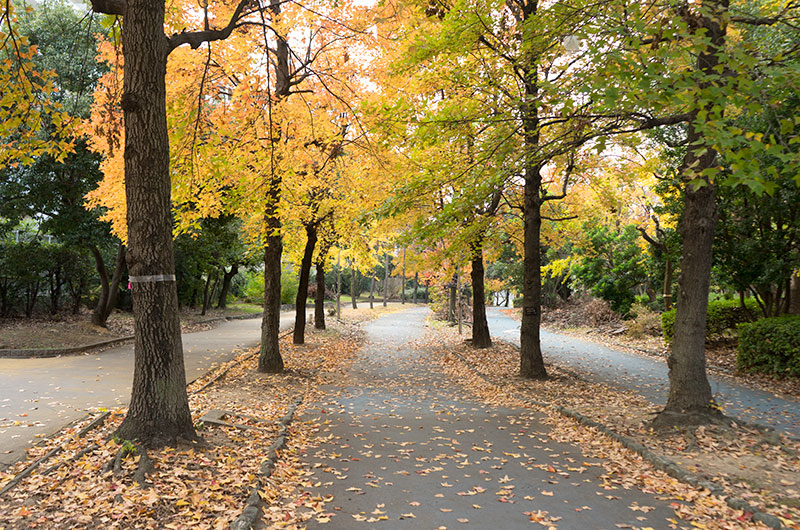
(254, 287)
(722, 316)
(518, 301)
(770, 345)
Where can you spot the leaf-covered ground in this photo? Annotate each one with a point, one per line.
(763, 470)
(401, 442)
(202, 487)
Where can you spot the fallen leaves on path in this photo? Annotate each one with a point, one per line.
(763, 471)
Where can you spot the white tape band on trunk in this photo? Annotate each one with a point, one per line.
(152, 278)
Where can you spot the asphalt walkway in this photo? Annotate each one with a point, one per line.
(404, 447)
(649, 377)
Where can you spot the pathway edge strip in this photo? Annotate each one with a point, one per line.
(661, 463)
(252, 510)
(54, 451)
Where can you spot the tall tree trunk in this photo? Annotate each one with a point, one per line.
(269, 359)
(416, 286)
(339, 285)
(354, 287)
(227, 278)
(668, 284)
(386, 279)
(531, 361)
(302, 288)
(159, 407)
(102, 300)
(108, 289)
(372, 292)
(451, 313)
(206, 294)
(690, 399)
(480, 326)
(794, 294)
(458, 302)
(319, 299)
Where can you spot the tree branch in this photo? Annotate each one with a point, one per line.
(109, 7)
(196, 38)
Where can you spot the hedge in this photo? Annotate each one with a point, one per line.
(770, 345)
(722, 316)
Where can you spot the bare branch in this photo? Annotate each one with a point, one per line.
(109, 7)
(196, 38)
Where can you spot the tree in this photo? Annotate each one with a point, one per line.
(611, 264)
(697, 75)
(28, 106)
(159, 408)
(53, 188)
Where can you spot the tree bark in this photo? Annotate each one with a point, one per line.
(159, 408)
(403, 287)
(458, 302)
(302, 289)
(794, 294)
(339, 285)
(319, 300)
(207, 293)
(451, 313)
(269, 359)
(480, 326)
(690, 399)
(354, 287)
(667, 293)
(227, 278)
(416, 286)
(108, 289)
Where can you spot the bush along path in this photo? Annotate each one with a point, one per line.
(248, 454)
(402, 444)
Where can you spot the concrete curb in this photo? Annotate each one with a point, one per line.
(659, 462)
(42, 353)
(252, 510)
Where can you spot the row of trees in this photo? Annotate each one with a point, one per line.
(531, 100)
(464, 128)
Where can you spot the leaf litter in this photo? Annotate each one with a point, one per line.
(198, 486)
(763, 470)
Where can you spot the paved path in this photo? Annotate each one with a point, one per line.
(649, 377)
(40, 396)
(411, 450)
